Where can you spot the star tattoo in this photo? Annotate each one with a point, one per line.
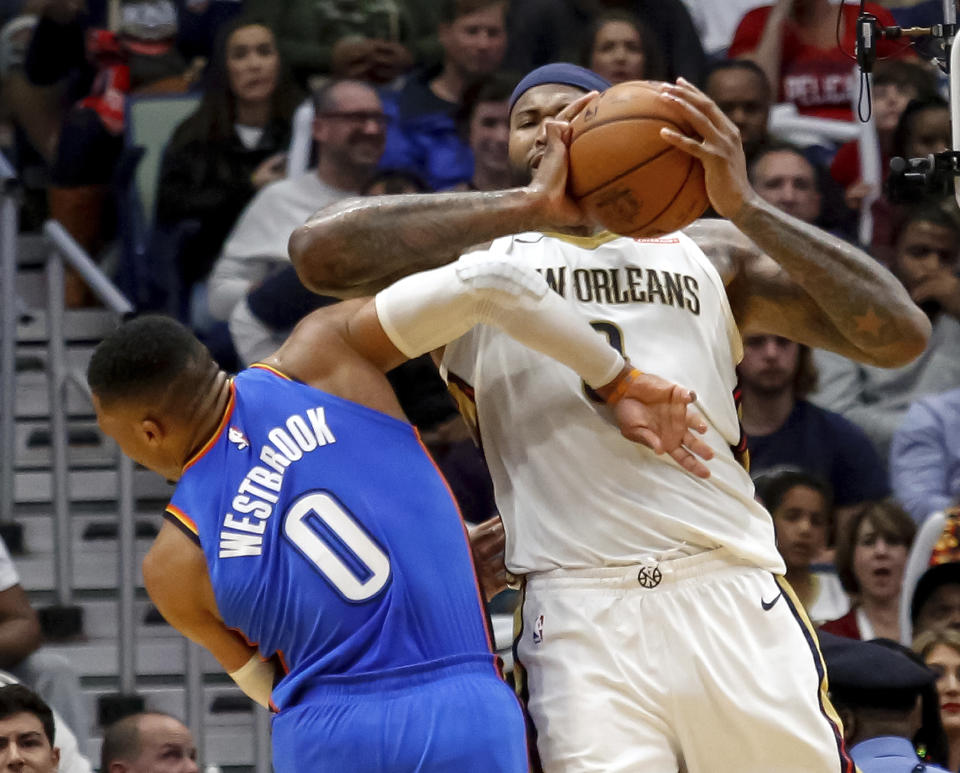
(868, 323)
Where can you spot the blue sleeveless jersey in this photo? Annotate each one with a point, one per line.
(330, 537)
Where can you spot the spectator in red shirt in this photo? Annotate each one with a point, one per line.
(795, 43)
(871, 556)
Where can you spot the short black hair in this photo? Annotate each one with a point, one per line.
(142, 357)
(18, 699)
(774, 485)
(928, 211)
(726, 65)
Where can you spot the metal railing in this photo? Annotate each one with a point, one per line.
(65, 251)
(9, 226)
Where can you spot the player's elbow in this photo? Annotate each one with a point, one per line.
(902, 347)
(307, 255)
(911, 340)
(322, 262)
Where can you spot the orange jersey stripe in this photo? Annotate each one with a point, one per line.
(274, 371)
(228, 412)
(181, 516)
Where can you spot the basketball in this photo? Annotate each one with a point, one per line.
(624, 174)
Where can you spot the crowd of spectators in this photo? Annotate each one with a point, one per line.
(399, 96)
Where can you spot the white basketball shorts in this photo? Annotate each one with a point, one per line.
(698, 664)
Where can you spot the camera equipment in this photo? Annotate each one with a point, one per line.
(912, 178)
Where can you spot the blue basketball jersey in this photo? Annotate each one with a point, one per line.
(330, 537)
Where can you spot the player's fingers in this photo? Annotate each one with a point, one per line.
(695, 422)
(573, 109)
(694, 147)
(690, 463)
(703, 103)
(682, 395)
(700, 122)
(644, 436)
(697, 446)
(552, 171)
(678, 425)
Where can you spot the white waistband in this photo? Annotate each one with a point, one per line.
(650, 573)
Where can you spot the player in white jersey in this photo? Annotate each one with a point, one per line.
(658, 634)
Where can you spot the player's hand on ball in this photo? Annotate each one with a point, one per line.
(548, 189)
(657, 413)
(488, 542)
(720, 149)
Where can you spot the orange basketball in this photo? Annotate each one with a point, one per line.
(624, 174)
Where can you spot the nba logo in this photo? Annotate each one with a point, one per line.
(236, 436)
(538, 630)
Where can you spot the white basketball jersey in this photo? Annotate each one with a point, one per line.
(571, 490)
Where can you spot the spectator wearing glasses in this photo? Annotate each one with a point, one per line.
(349, 129)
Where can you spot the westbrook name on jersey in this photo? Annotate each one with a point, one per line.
(330, 538)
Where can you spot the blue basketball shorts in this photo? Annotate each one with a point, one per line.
(456, 718)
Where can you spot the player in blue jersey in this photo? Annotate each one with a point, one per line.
(312, 546)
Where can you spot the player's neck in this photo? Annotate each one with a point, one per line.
(207, 415)
(765, 412)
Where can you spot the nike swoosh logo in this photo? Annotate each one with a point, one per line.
(768, 605)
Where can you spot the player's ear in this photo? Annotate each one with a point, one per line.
(152, 431)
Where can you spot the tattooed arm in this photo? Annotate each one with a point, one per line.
(790, 278)
(794, 280)
(361, 245)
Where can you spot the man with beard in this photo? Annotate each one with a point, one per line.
(784, 430)
(349, 129)
(925, 259)
(638, 576)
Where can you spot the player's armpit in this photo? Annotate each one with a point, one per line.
(176, 579)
